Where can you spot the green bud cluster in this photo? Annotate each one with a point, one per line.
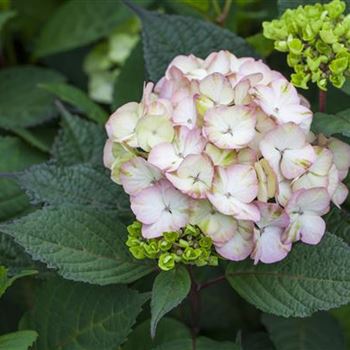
(188, 246)
(317, 40)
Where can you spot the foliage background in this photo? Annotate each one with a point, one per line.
(70, 282)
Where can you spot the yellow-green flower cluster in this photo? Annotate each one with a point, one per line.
(317, 39)
(188, 246)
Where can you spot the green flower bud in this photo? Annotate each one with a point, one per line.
(133, 242)
(151, 249)
(339, 65)
(295, 46)
(134, 229)
(183, 243)
(323, 48)
(337, 80)
(308, 33)
(201, 262)
(137, 252)
(300, 80)
(191, 254)
(171, 237)
(322, 84)
(213, 260)
(328, 36)
(281, 45)
(164, 245)
(293, 60)
(316, 75)
(335, 8)
(192, 230)
(205, 242)
(166, 261)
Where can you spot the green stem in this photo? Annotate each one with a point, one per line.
(194, 297)
(223, 15)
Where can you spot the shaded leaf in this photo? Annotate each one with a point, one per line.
(202, 343)
(5, 16)
(168, 329)
(338, 222)
(77, 23)
(257, 341)
(311, 278)
(22, 102)
(319, 332)
(78, 99)
(13, 200)
(329, 124)
(84, 244)
(6, 281)
(79, 141)
(71, 315)
(170, 288)
(125, 88)
(166, 36)
(21, 340)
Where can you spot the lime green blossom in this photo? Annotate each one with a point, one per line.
(316, 38)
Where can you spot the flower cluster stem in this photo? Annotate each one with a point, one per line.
(223, 15)
(322, 101)
(195, 305)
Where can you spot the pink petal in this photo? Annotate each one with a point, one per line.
(312, 228)
(272, 215)
(217, 88)
(185, 113)
(340, 195)
(164, 157)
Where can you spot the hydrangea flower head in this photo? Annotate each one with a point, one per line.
(219, 162)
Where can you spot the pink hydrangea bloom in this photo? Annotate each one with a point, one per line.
(224, 143)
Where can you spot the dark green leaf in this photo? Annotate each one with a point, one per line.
(257, 341)
(202, 343)
(319, 332)
(168, 329)
(125, 88)
(169, 290)
(71, 315)
(18, 156)
(5, 16)
(329, 124)
(166, 36)
(342, 315)
(78, 99)
(338, 222)
(21, 340)
(22, 102)
(283, 5)
(79, 184)
(77, 23)
(85, 245)
(79, 141)
(6, 281)
(311, 278)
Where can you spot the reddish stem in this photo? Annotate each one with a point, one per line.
(211, 282)
(322, 101)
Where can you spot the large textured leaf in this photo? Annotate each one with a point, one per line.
(21, 340)
(125, 88)
(283, 5)
(78, 23)
(16, 155)
(72, 316)
(83, 244)
(166, 36)
(77, 98)
(22, 102)
(319, 332)
(169, 290)
(338, 222)
(79, 184)
(329, 124)
(311, 278)
(202, 343)
(168, 330)
(79, 141)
